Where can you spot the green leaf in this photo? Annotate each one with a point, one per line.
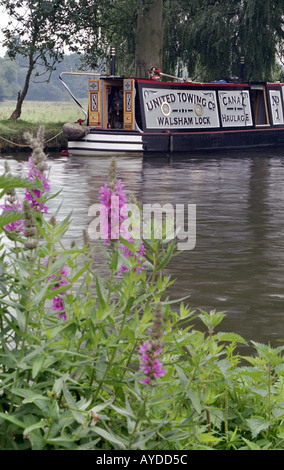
(40, 295)
(101, 406)
(21, 318)
(79, 416)
(8, 217)
(209, 438)
(64, 441)
(8, 181)
(130, 246)
(251, 445)
(70, 330)
(13, 420)
(175, 301)
(114, 261)
(256, 425)
(182, 377)
(231, 337)
(37, 365)
(101, 367)
(194, 398)
(34, 353)
(149, 247)
(123, 411)
(129, 304)
(211, 319)
(43, 232)
(141, 441)
(100, 295)
(167, 257)
(80, 272)
(279, 369)
(58, 264)
(58, 384)
(38, 425)
(58, 291)
(278, 412)
(110, 437)
(43, 403)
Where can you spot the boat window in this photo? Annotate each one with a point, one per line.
(259, 105)
(276, 106)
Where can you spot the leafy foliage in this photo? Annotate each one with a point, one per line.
(75, 383)
(207, 38)
(211, 37)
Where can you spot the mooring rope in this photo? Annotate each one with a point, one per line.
(23, 145)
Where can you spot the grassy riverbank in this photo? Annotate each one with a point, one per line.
(34, 113)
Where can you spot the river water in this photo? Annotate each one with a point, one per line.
(237, 264)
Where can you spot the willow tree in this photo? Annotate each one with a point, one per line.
(204, 36)
(213, 36)
(36, 32)
(261, 35)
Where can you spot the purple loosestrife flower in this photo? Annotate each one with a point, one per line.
(138, 256)
(151, 350)
(34, 195)
(37, 168)
(150, 362)
(113, 197)
(12, 205)
(29, 225)
(58, 301)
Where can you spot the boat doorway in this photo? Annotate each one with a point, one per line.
(119, 104)
(259, 105)
(111, 104)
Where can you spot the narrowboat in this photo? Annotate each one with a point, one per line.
(158, 115)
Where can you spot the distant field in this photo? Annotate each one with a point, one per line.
(42, 112)
(51, 114)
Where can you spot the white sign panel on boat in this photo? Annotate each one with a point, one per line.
(276, 106)
(180, 109)
(235, 108)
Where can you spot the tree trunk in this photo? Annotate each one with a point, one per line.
(22, 94)
(149, 38)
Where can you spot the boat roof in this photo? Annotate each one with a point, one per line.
(185, 82)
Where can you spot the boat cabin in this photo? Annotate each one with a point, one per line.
(127, 104)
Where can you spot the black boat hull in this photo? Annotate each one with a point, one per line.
(174, 142)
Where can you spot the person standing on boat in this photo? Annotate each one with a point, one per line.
(155, 74)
